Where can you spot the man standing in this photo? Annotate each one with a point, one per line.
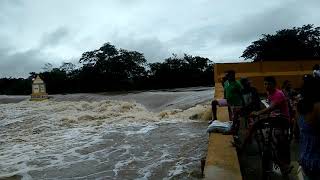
(279, 118)
(233, 97)
(276, 99)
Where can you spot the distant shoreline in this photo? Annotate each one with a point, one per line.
(6, 99)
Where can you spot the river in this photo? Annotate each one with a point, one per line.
(137, 135)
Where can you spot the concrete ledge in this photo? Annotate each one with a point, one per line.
(222, 160)
(263, 74)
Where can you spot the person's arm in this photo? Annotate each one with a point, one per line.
(224, 89)
(242, 98)
(266, 110)
(269, 109)
(255, 99)
(239, 92)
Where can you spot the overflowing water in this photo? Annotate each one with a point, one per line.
(142, 135)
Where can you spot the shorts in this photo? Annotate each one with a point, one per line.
(222, 102)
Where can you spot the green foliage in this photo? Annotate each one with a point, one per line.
(112, 69)
(108, 68)
(181, 72)
(287, 44)
(67, 67)
(56, 80)
(13, 86)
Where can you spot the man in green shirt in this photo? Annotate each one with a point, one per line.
(233, 93)
(233, 96)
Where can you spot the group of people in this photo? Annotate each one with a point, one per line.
(240, 98)
(293, 113)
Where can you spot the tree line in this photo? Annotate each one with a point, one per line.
(298, 43)
(111, 69)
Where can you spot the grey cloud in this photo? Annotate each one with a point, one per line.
(213, 38)
(152, 48)
(250, 28)
(198, 36)
(7, 6)
(6, 3)
(128, 2)
(215, 29)
(19, 64)
(246, 29)
(4, 46)
(54, 38)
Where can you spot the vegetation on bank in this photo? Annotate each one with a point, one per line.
(298, 43)
(112, 69)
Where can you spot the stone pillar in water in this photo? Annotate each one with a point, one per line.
(38, 90)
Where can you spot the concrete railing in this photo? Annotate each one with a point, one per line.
(222, 160)
(256, 71)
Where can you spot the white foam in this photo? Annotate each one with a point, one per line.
(143, 130)
(40, 135)
(120, 164)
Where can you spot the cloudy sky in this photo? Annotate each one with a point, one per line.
(35, 32)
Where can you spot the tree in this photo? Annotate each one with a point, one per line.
(130, 63)
(32, 75)
(92, 58)
(116, 69)
(55, 80)
(67, 67)
(287, 44)
(181, 72)
(47, 67)
(14, 86)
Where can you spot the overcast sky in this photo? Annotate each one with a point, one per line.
(35, 32)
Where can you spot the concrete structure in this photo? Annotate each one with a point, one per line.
(222, 160)
(282, 70)
(38, 89)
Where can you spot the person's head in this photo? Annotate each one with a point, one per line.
(224, 79)
(310, 93)
(270, 83)
(245, 83)
(316, 67)
(231, 75)
(286, 85)
(306, 79)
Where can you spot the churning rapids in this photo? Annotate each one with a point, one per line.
(141, 135)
